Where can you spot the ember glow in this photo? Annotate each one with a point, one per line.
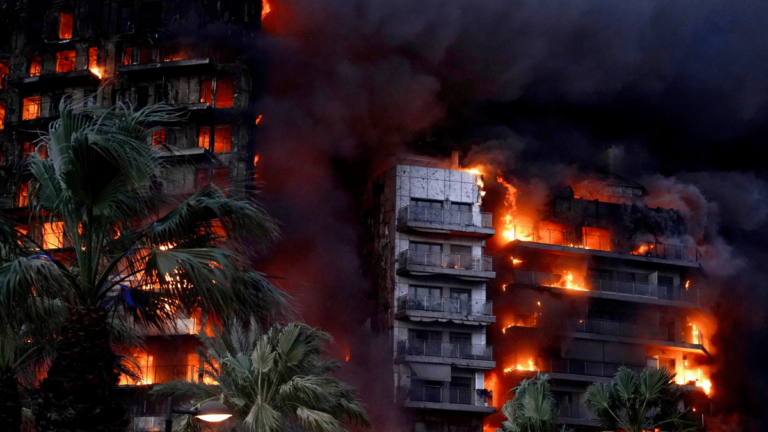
(265, 9)
(258, 119)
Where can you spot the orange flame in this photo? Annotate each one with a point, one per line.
(531, 367)
(516, 261)
(265, 9)
(696, 377)
(97, 72)
(258, 119)
(687, 285)
(568, 283)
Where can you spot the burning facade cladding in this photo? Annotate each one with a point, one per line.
(574, 295)
(184, 53)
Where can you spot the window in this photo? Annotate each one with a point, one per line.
(424, 298)
(434, 336)
(66, 22)
(204, 137)
(142, 96)
(27, 148)
(206, 92)
(2, 115)
(31, 108)
(4, 73)
(425, 247)
(225, 93)
(93, 58)
(127, 56)
(457, 249)
(425, 203)
(218, 176)
(65, 61)
(53, 235)
(35, 67)
(158, 137)
(23, 198)
(666, 280)
(461, 338)
(145, 54)
(145, 363)
(223, 139)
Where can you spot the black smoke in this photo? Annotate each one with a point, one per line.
(677, 87)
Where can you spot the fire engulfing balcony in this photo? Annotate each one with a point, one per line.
(440, 397)
(431, 308)
(161, 374)
(66, 69)
(614, 289)
(585, 368)
(445, 220)
(464, 266)
(479, 356)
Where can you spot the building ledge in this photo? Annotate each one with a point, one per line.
(64, 79)
(449, 407)
(441, 228)
(197, 64)
(643, 341)
(605, 254)
(458, 362)
(615, 296)
(422, 270)
(429, 316)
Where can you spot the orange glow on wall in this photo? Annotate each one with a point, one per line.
(206, 92)
(53, 235)
(145, 369)
(23, 199)
(66, 22)
(265, 8)
(225, 93)
(35, 68)
(596, 238)
(128, 56)
(93, 61)
(2, 115)
(31, 107)
(204, 137)
(4, 73)
(65, 61)
(158, 137)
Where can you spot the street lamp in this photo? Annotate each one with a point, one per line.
(212, 412)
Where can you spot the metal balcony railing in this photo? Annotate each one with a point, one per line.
(638, 289)
(52, 66)
(582, 367)
(642, 289)
(606, 243)
(430, 348)
(616, 328)
(446, 260)
(464, 307)
(444, 216)
(163, 374)
(436, 394)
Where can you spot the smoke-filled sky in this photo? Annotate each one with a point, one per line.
(679, 88)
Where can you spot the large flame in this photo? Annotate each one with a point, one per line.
(695, 377)
(568, 283)
(530, 367)
(265, 8)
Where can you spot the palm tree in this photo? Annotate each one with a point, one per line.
(637, 403)
(136, 256)
(272, 381)
(532, 409)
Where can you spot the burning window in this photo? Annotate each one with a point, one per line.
(93, 61)
(2, 115)
(206, 92)
(175, 53)
(204, 137)
(4, 73)
(27, 148)
(53, 235)
(31, 107)
(128, 56)
(23, 198)
(35, 67)
(65, 61)
(222, 139)
(145, 370)
(66, 22)
(158, 137)
(596, 238)
(225, 93)
(145, 54)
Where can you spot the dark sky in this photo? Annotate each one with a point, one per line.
(679, 87)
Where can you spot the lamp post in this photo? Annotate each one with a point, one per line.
(212, 412)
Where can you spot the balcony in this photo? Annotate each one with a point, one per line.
(604, 245)
(461, 311)
(445, 398)
(478, 356)
(464, 266)
(161, 374)
(445, 221)
(169, 60)
(56, 73)
(575, 415)
(623, 329)
(617, 290)
(582, 370)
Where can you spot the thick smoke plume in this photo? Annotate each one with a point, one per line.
(542, 87)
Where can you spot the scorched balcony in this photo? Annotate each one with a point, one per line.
(477, 356)
(447, 398)
(417, 307)
(465, 266)
(442, 220)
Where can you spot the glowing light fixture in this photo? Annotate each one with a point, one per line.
(213, 412)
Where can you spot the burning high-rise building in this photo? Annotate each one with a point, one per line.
(188, 54)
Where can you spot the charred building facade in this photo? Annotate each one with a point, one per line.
(587, 289)
(430, 234)
(188, 54)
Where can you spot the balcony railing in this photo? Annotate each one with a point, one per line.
(52, 66)
(438, 394)
(637, 289)
(429, 348)
(606, 243)
(163, 374)
(582, 367)
(446, 260)
(616, 328)
(444, 216)
(464, 307)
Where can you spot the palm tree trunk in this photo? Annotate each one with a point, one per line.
(10, 404)
(79, 392)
